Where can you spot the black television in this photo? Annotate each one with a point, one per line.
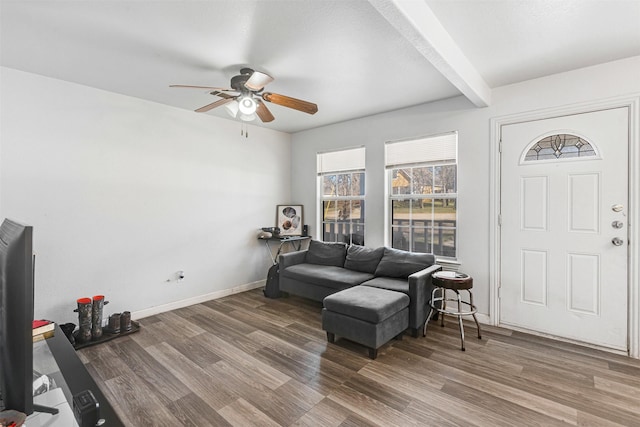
(16, 318)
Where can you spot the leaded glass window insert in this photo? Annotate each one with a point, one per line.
(559, 147)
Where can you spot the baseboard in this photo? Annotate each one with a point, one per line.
(483, 318)
(196, 300)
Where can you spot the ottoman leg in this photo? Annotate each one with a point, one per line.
(373, 353)
(331, 337)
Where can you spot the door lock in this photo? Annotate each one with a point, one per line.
(617, 241)
(617, 224)
(617, 208)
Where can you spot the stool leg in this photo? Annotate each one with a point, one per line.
(473, 307)
(426, 323)
(460, 319)
(444, 305)
(432, 305)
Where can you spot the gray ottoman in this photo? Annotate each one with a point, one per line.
(366, 315)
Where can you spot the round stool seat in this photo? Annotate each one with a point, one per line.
(452, 280)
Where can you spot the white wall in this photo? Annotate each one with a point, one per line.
(473, 126)
(122, 193)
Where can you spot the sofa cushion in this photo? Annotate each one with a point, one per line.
(360, 258)
(325, 275)
(402, 264)
(326, 253)
(365, 303)
(398, 285)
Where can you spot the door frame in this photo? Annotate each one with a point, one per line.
(632, 102)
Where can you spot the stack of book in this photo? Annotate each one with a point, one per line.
(43, 329)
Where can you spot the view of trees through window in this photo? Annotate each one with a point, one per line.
(423, 209)
(343, 207)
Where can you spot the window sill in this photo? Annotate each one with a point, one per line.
(448, 264)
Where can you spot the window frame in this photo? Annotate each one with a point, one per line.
(433, 235)
(355, 226)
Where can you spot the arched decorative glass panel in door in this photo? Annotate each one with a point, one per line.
(559, 147)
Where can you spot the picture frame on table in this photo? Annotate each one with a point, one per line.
(290, 219)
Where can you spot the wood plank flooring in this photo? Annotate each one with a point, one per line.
(247, 360)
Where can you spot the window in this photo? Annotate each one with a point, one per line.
(422, 176)
(560, 147)
(341, 184)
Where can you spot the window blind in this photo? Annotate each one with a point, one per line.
(349, 160)
(430, 149)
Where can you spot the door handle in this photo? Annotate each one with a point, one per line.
(617, 224)
(617, 241)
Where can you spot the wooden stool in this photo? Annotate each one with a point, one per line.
(443, 280)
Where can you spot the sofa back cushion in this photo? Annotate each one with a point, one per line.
(365, 260)
(326, 253)
(402, 264)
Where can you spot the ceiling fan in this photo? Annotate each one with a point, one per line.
(246, 95)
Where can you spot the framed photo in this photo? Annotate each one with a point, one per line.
(290, 220)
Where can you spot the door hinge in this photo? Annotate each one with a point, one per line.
(499, 291)
(500, 220)
(500, 147)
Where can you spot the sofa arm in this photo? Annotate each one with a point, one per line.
(420, 288)
(291, 258)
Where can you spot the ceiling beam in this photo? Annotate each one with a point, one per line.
(419, 25)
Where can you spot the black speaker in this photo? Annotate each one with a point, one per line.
(305, 230)
(86, 409)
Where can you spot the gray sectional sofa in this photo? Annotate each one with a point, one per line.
(326, 268)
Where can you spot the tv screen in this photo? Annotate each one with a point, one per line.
(16, 316)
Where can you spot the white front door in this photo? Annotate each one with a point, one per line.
(563, 266)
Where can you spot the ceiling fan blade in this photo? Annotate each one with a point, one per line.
(223, 95)
(203, 87)
(286, 101)
(258, 80)
(213, 105)
(263, 112)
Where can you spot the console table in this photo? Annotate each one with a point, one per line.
(294, 241)
(56, 358)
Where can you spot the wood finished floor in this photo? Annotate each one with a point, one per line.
(246, 360)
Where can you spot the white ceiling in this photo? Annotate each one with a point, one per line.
(352, 57)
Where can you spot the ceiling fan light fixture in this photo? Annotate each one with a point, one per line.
(232, 108)
(247, 117)
(247, 105)
(257, 81)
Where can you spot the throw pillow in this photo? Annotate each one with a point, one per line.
(365, 260)
(326, 253)
(402, 264)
